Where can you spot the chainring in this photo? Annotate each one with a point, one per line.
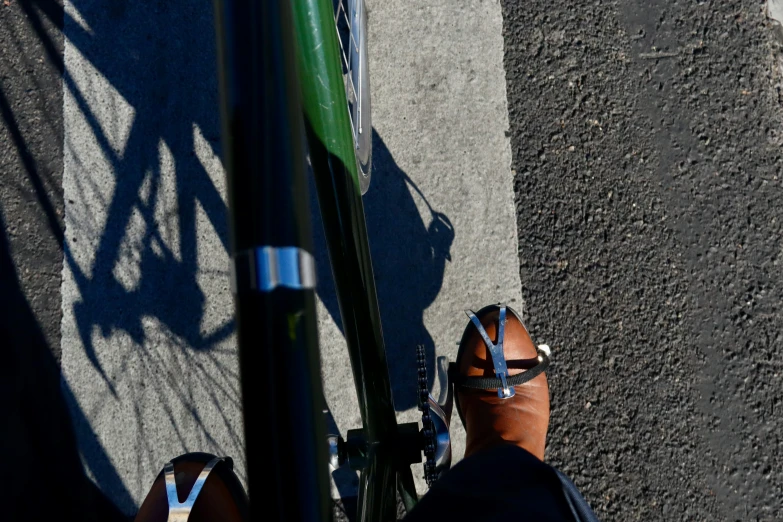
(428, 427)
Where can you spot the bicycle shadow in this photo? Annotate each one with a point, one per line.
(146, 242)
(410, 245)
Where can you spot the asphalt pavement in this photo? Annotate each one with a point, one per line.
(639, 142)
(36, 432)
(647, 147)
(31, 157)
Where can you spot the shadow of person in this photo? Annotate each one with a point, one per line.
(410, 244)
(44, 478)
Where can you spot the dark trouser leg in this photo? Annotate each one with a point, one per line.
(503, 483)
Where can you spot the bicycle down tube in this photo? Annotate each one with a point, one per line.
(272, 263)
(273, 273)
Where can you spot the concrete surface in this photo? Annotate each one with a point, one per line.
(147, 329)
(775, 11)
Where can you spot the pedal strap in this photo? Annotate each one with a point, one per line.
(489, 383)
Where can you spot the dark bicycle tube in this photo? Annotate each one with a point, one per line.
(272, 268)
(376, 481)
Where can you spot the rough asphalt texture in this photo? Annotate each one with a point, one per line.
(648, 195)
(33, 408)
(31, 157)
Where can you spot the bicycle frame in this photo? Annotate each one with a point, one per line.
(264, 159)
(272, 265)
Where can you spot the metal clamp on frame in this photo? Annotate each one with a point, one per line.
(265, 268)
(496, 351)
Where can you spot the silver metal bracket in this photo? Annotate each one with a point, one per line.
(265, 268)
(496, 351)
(337, 453)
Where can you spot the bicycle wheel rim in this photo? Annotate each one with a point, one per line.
(351, 22)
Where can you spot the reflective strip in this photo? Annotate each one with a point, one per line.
(265, 268)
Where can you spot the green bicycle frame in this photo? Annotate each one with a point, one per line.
(333, 160)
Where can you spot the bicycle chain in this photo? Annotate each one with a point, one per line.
(428, 427)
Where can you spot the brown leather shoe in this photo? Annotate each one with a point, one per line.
(489, 420)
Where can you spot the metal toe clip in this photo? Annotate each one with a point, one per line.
(496, 351)
(180, 511)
